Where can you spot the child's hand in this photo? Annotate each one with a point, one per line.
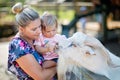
(51, 48)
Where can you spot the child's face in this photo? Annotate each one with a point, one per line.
(49, 31)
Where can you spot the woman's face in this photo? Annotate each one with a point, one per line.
(32, 30)
(49, 31)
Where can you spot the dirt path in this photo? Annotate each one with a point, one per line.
(4, 74)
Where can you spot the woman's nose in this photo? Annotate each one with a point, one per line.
(38, 30)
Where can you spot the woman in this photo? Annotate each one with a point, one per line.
(23, 60)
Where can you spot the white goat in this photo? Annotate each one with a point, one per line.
(74, 55)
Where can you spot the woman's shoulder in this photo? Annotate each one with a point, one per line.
(17, 41)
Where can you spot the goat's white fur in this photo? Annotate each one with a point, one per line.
(71, 59)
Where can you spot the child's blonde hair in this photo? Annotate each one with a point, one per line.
(48, 20)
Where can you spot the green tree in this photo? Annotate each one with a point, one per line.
(7, 3)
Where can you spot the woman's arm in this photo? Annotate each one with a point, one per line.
(33, 69)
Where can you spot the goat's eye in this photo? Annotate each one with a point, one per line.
(74, 45)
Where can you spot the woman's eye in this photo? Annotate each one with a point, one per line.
(34, 29)
(39, 27)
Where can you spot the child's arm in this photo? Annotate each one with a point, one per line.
(41, 49)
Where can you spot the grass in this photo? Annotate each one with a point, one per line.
(69, 14)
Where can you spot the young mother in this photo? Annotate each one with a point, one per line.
(23, 60)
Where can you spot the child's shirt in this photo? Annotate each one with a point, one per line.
(42, 41)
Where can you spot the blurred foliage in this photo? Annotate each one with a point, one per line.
(7, 18)
(69, 15)
(62, 14)
(6, 3)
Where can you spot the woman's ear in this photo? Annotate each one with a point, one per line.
(21, 28)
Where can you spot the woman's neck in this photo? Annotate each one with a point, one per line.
(26, 39)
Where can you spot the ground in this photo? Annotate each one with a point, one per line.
(4, 74)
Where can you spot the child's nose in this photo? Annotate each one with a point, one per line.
(52, 33)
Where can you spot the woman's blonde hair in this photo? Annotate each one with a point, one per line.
(48, 20)
(24, 14)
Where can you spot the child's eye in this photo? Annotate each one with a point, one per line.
(34, 29)
(48, 31)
